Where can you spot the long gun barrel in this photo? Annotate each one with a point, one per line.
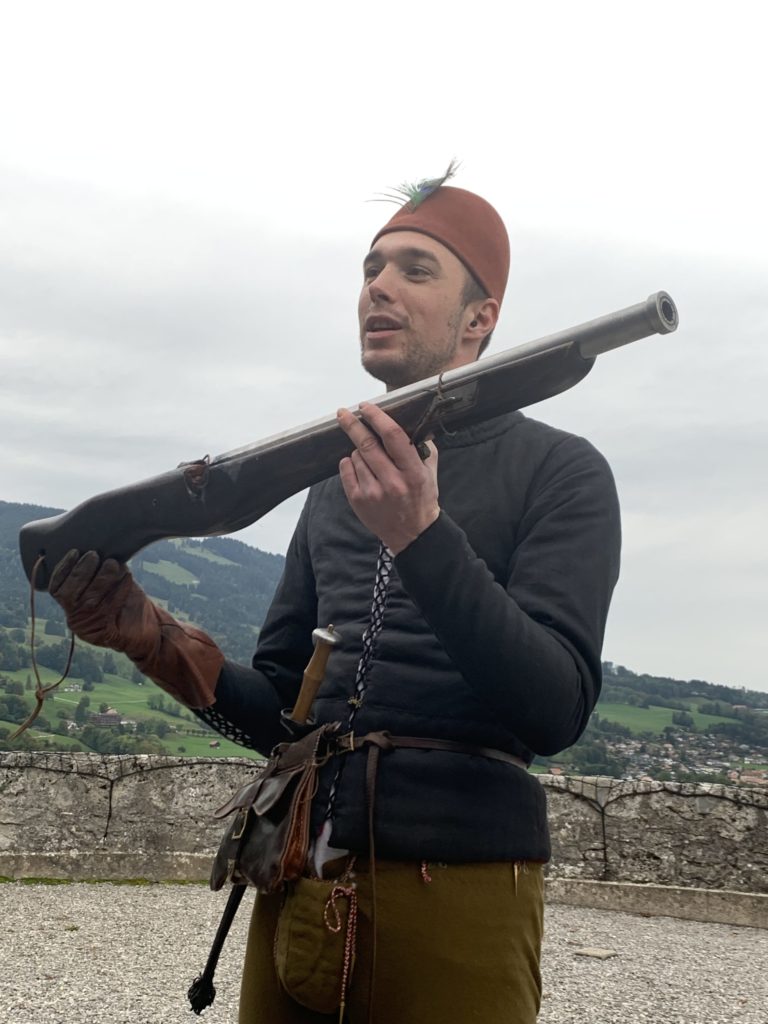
(221, 495)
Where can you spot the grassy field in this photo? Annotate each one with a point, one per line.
(194, 746)
(653, 719)
(201, 552)
(172, 572)
(200, 746)
(68, 741)
(131, 700)
(46, 674)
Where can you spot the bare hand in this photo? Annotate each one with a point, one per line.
(391, 490)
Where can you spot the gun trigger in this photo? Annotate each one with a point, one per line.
(443, 408)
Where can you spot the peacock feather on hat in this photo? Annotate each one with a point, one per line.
(410, 195)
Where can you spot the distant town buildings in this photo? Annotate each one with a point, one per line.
(108, 718)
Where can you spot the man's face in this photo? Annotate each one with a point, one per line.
(411, 309)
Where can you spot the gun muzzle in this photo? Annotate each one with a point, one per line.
(657, 315)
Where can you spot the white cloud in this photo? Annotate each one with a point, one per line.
(183, 217)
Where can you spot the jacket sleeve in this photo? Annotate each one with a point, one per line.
(249, 699)
(529, 646)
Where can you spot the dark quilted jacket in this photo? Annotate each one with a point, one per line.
(492, 636)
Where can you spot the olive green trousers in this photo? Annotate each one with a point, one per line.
(455, 943)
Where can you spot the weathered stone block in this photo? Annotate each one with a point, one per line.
(170, 807)
(87, 816)
(576, 830)
(673, 835)
(49, 805)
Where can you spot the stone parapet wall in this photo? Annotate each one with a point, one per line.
(695, 835)
(87, 816)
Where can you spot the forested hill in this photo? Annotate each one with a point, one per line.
(623, 686)
(219, 583)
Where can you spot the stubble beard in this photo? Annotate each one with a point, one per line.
(416, 361)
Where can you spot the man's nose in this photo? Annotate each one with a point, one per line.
(381, 287)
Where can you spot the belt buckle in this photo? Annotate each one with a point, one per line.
(243, 812)
(345, 744)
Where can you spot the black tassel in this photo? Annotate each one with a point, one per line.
(201, 993)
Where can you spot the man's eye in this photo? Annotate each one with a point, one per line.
(369, 273)
(417, 271)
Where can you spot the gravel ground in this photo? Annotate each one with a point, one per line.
(121, 954)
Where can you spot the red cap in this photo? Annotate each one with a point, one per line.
(467, 225)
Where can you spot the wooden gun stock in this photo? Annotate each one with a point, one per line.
(226, 493)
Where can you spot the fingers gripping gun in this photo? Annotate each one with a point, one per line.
(226, 493)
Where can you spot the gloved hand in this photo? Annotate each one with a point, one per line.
(105, 606)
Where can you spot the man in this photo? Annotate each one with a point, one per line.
(471, 589)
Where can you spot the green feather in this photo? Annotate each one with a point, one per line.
(414, 194)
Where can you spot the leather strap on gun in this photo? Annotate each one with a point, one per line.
(226, 493)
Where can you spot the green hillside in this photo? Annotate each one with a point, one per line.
(219, 583)
(655, 719)
(225, 587)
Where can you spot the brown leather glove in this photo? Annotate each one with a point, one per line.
(105, 606)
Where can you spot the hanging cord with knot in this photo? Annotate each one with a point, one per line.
(40, 690)
(349, 893)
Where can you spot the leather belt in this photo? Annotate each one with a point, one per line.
(386, 741)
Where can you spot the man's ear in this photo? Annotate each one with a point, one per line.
(482, 318)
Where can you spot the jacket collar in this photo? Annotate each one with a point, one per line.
(478, 432)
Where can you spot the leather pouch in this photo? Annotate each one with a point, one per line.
(267, 843)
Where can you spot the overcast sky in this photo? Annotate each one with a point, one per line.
(183, 214)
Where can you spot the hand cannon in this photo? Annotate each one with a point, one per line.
(223, 494)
